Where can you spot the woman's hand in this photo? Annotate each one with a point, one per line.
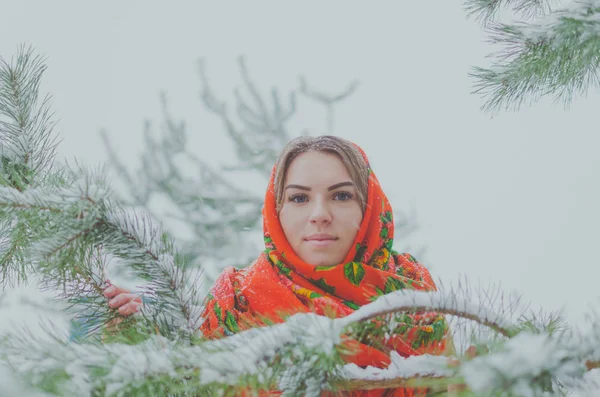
(122, 300)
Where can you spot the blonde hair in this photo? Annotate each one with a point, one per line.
(345, 150)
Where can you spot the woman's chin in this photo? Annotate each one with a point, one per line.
(316, 261)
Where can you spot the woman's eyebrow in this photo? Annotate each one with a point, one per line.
(332, 187)
(339, 185)
(297, 187)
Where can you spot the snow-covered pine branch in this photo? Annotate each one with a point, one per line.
(294, 354)
(299, 356)
(25, 312)
(134, 239)
(556, 55)
(439, 302)
(27, 149)
(80, 222)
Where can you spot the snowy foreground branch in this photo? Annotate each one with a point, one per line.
(443, 303)
(228, 361)
(299, 357)
(79, 222)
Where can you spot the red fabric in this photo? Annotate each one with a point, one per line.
(279, 284)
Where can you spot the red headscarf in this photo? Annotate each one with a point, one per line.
(279, 283)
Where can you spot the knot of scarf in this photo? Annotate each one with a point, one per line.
(279, 283)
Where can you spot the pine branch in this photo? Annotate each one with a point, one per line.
(84, 219)
(27, 150)
(67, 215)
(527, 364)
(131, 369)
(13, 267)
(558, 56)
(439, 302)
(27, 144)
(487, 10)
(299, 356)
(26, 212)
(134, 240)
(492, 297)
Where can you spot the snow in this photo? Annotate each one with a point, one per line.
(588, 386)
(522, 359)
(26, 307)
(12, 387)
(550, 25)
(137, 364)
(26, 311)
(400, 367)
(15, 144)
(219, 361)
(31, 197)
(247, 348)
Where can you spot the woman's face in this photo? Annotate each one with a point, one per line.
(321, 214)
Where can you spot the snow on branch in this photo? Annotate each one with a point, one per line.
(556, 56)
(83, 220)
(121, 368)
(440, 302)
(526, 365)
(226, 361)
(402, 372)
(300, 357)
(578, 20)
(44, 220)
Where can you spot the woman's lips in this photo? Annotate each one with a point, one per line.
(320, 240)
(321, 243)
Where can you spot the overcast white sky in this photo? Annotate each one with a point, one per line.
(510, 199)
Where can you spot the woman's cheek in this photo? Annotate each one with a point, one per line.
(351, 217)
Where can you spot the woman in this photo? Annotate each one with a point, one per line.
(328, 232)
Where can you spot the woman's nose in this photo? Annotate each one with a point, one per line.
(320, 213)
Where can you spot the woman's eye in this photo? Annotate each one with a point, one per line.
(343, 196)
(298, 198)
